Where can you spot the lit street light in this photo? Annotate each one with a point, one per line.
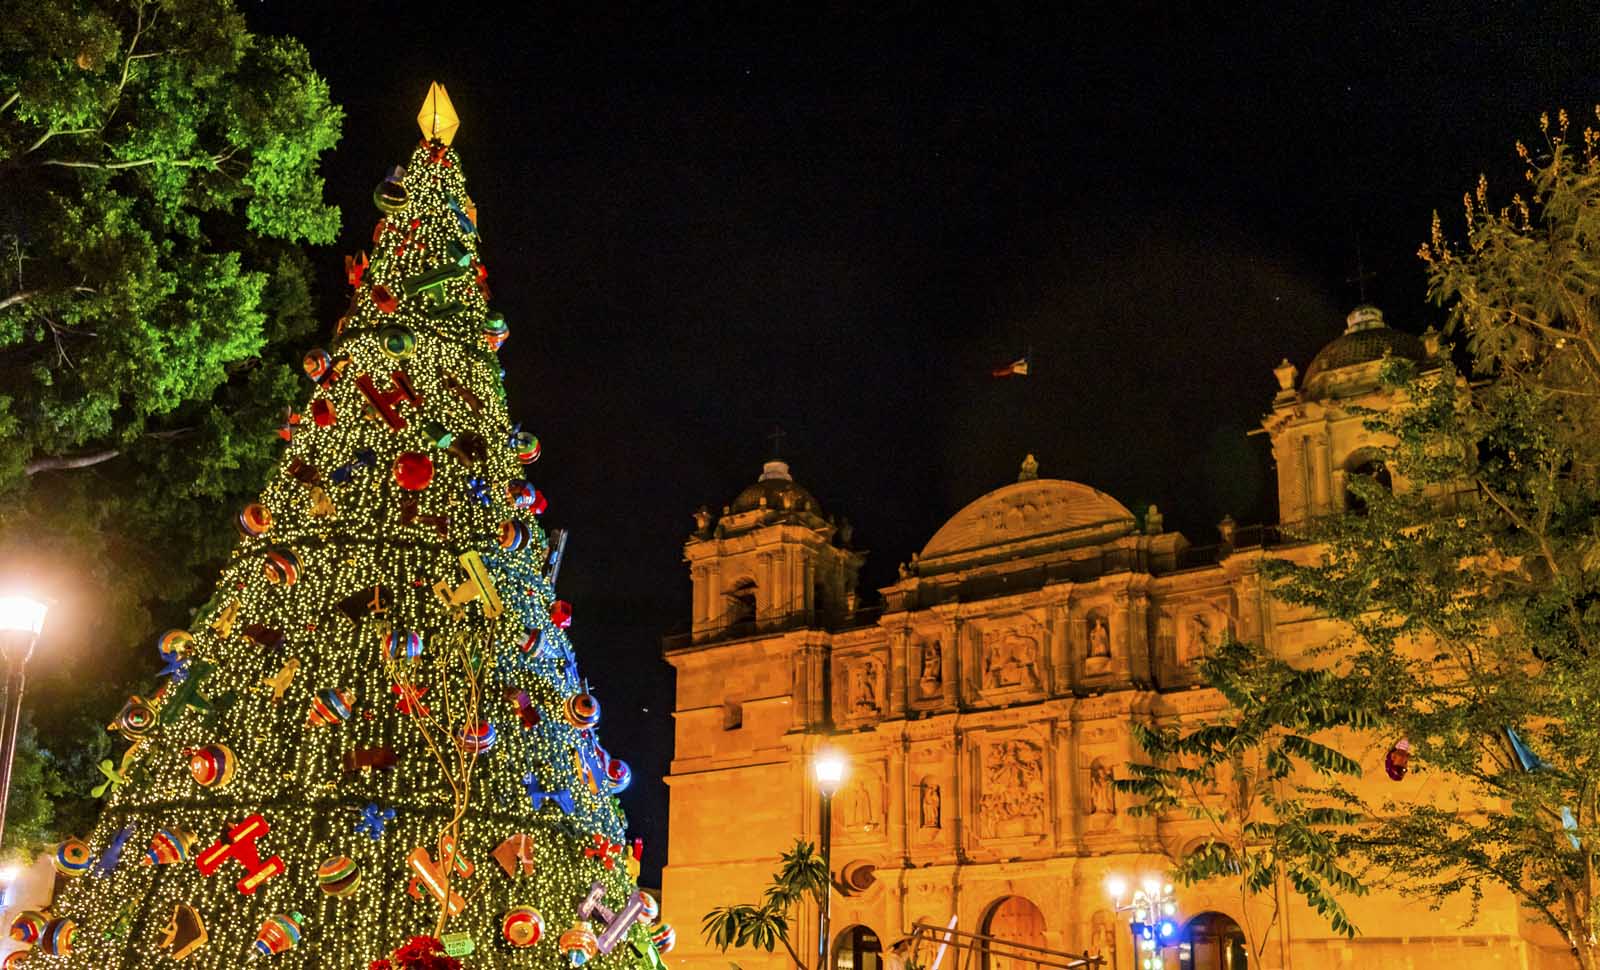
(1152, 920)
(21, 619)
(829, 770)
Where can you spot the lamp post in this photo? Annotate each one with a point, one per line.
(21, 619)
(1152, 918)
(829, 771)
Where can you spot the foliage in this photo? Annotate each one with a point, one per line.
(158, 166)
(801, 875)
(1237, 772)
(54, 770)
(1471, 593)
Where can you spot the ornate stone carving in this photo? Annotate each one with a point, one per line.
(1014, 792)
(1010, 660)
(1198, 632)
(858, 811)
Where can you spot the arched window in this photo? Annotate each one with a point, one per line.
(1013, 919)
(857, 948)
(1212, 941)
(1366, 465)
(741, 602)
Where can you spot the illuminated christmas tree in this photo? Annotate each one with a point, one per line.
(376, 728)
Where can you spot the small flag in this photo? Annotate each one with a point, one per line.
(1017, 368)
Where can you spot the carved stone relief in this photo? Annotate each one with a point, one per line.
(1102, 794)
(860, 805)
(1199, 631)
(1014, 797)
(863, 687)
(1097, 642)
(1010, 660)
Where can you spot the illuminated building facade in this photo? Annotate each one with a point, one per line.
(985, 709)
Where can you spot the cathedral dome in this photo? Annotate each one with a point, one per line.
(1035, 514)
(1366, 339)
(775, 489)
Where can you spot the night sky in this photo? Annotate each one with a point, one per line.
(702, 229)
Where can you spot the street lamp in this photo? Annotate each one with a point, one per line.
(829, 770)
(1152, 917)
(21, 619)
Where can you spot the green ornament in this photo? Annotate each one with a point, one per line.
(397, 341)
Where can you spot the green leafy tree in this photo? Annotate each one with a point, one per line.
(1241, 772)
(1471, 592)
(801, 876)
(158, 167)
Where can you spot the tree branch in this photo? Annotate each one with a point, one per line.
(17, 298)
(64, 462)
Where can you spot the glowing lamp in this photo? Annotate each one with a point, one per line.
(21, 614)
(1116, 886)
(829, 769)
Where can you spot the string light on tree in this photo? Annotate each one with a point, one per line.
(333, 748)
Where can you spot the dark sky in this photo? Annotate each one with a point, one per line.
(700, 229)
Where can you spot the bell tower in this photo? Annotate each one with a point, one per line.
(1319, 437)
(770, 561)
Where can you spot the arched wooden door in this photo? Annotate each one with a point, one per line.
(1013, 919)
(1212, 941)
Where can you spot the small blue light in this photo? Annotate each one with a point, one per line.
(1167, 928)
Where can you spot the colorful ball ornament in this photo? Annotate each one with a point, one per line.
(282, 567)
(330, 707)
(582, 711)
(651, 911)
(28, 927)
(403, 644)
(1394, 763)
(338, 876)
(279, 933)
(523, 926)
(526, 445)
(561, 614)
(514, 535)
(175, 643)
(413, 470)
(390, 195)
(168, 846)
(15, 959)
(213, 765)
(56, 940)
(318, 364)
(495, 330)
(579, 943)
(476, 738)
(618, 774)
(253, 520)
(664, 937)
(397, 341)
(72, 858)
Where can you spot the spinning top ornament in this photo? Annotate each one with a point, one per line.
(390, 195)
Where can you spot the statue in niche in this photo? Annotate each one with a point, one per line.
(1100, 936)
(1013, 789)
(864, 688)
(1102, 795)
(857, 806)
(1010, 660)
(1099, 637)
(1199, 632)
(929, 817)
(932, 678)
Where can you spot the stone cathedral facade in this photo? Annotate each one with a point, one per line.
(984, 709)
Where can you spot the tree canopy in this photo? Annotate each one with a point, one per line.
(1471, 591)
(158, 169)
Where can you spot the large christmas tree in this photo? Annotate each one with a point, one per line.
(376, 728)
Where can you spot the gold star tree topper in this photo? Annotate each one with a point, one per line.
(437, 119)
